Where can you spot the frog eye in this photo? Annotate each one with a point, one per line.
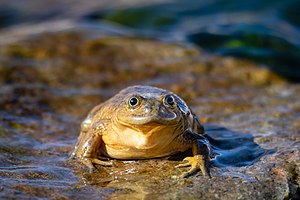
(169, 100)
(133, 101)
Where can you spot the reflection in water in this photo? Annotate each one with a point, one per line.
(131, 190)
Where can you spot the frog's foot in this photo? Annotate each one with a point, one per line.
(197, 162)
(89, 162)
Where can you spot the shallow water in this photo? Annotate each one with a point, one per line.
(44, 101)
(234, 149)
(50, 80)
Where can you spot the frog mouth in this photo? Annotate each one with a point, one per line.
(151, 120)
(162, 117)
(154, 120)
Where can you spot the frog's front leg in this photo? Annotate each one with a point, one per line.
(88, 146)
(90, 150)
(200, 159)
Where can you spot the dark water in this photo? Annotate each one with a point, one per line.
(264, 31)
(233, 149)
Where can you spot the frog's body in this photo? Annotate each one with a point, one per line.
(142, 122)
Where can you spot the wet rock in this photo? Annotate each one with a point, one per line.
(50, 82)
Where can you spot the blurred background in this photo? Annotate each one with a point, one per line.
(264, 31)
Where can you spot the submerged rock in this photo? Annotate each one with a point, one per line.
(51, 81)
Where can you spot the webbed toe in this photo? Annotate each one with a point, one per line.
(197, 162)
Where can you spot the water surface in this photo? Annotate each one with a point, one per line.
(50, 81)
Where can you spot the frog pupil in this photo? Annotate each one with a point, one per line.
(170, 100)
(133, 101)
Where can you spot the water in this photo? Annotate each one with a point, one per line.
(234, 149)
(49, 82)
(266, 32)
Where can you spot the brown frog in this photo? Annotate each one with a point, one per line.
(142, 122)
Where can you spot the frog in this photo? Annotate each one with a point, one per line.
(143, 122)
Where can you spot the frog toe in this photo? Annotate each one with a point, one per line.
(186, 164)
(191, 172)
(197, 163)
(101, 162)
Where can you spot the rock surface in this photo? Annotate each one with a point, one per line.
(50, 82)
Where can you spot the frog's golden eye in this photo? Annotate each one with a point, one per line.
(169, 100)
(133, 101)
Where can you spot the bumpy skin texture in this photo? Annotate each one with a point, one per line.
(142, 122)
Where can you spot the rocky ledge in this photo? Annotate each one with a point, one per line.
(49, 82)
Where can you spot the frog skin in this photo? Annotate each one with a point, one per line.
(143, 122)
